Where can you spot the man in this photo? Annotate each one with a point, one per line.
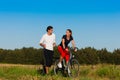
(48, 42)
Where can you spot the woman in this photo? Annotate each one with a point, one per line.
(63, 47)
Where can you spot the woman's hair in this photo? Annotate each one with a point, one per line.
(70, 31)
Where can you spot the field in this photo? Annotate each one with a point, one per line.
(33, 72)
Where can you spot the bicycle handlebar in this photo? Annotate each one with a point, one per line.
(75, 49)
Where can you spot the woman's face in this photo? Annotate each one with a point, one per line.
(68, 33)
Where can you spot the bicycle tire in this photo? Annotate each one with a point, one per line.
(74, 68)
(55, 67)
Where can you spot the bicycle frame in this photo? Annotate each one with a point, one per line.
(69, 67)
(71, 57)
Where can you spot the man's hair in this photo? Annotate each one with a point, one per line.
(49, 28)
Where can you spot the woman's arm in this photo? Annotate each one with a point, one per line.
(73, 44)
(63, 43)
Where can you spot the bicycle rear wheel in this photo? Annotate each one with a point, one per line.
(73, 68)
(56, 67)
(58, 71)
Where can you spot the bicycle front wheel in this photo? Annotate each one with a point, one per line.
(73, 68)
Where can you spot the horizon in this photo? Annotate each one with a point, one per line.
(94, 23)
(56, 46)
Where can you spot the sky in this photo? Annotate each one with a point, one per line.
(95, 23)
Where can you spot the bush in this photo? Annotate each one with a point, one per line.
(111, 72)
(102, 72)
(35, 56)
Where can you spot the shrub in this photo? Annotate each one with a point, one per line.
(102, 72)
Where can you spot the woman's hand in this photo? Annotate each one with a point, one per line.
(66, 49)
(75, 49)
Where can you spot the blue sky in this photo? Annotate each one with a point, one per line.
(95, 23)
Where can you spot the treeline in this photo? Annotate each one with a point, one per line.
(35, 56)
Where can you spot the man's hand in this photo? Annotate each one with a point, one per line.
(54, 44)
(43, 45)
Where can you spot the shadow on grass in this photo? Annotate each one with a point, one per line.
(41, 71)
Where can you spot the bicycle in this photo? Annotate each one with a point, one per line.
(72, 69)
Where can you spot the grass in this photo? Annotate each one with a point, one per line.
(33, 72)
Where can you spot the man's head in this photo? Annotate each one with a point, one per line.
(49, 29)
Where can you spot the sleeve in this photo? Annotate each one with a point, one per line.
(63, 37)
(42, 40)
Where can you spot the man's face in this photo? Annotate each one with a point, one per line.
(50, 31)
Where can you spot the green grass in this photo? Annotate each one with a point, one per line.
(32, 72)
(112, 72)
(15, 72)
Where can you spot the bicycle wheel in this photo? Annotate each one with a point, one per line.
(56, 67)
(73, 68)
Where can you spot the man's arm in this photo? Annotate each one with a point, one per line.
(54, 44)
(41, 42)
(42, 45)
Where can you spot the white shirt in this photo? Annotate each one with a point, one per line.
(48, 40)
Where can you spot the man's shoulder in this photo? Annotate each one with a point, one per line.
(53, 34)
(44, 34)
